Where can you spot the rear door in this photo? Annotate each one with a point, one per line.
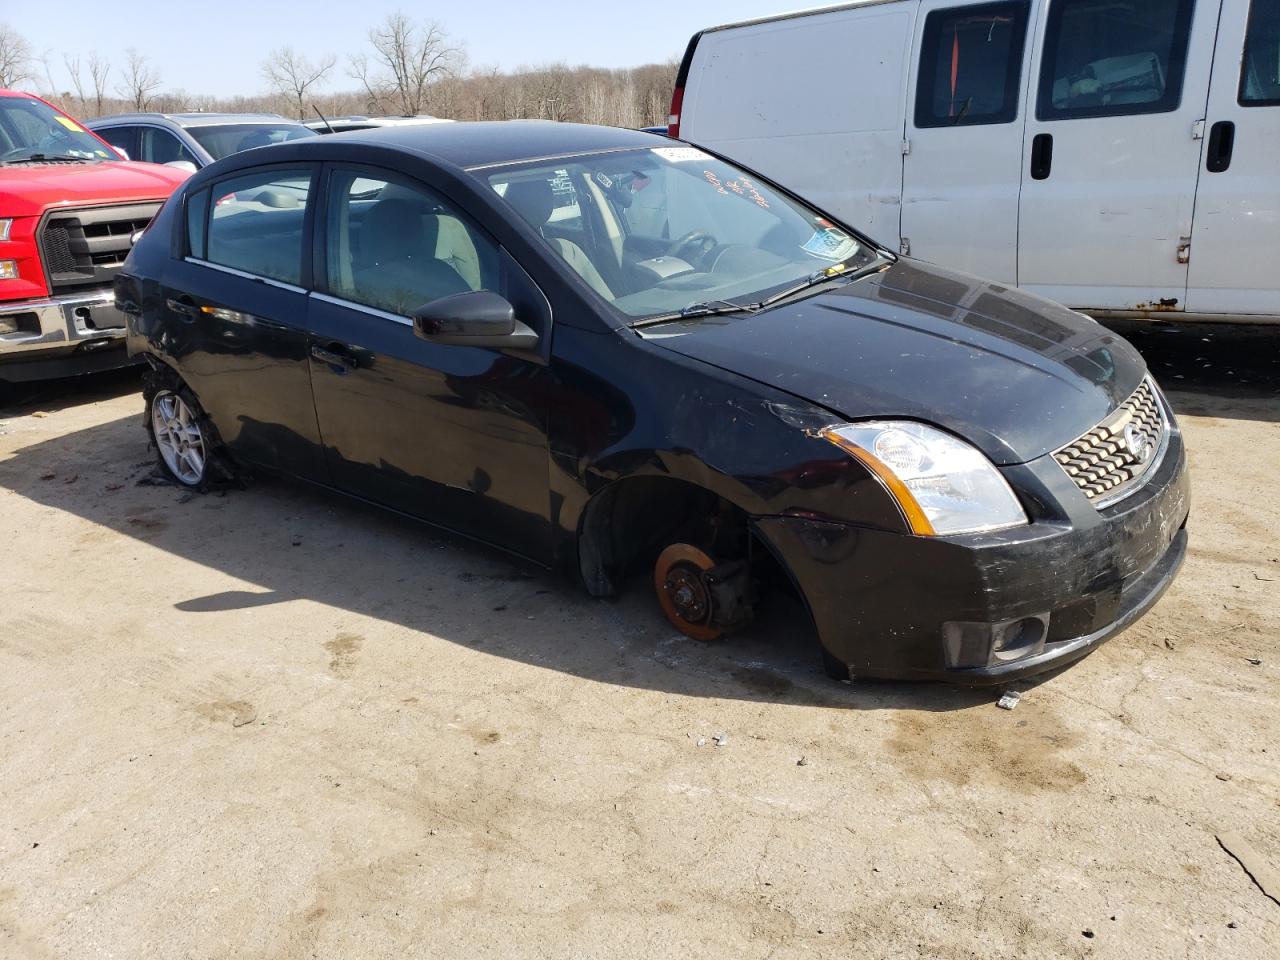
(453, 434)
(1236, 239)
(237, 307)
(1113, 150)
(963, 145)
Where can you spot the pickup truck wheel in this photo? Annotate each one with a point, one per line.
(175, 428)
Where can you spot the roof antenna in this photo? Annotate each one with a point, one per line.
(321, 116)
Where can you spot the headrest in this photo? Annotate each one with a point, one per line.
(533, 199)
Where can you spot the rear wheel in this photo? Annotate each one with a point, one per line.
(179, 440)
(186, 444)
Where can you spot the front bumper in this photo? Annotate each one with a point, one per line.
(887, 605)
(62, 335)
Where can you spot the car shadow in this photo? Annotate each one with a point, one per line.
(23, 399)
(286, 541)
(1211, 370)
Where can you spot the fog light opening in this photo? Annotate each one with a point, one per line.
(1018, 639)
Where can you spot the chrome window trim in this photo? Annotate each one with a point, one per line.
(245, 275)
(361, 308)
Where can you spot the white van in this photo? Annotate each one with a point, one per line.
(1119, 156)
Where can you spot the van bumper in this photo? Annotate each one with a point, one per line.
(61, 336)
(993, 608)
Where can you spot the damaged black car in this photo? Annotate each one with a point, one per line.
(609, 352)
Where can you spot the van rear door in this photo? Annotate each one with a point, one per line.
(1112, 151)
(964, 128)
(812, 101)
(1235, 243)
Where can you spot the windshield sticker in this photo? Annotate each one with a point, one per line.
(680, 154)
(741, 186)
(830, 244)
(70, 124)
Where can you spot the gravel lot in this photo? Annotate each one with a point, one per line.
(278, 724)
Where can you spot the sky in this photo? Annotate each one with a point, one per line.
(218, 48)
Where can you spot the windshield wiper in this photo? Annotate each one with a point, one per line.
(840, 270)
(46, 158)
(699, 308)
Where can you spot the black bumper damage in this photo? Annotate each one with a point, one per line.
(987, 609)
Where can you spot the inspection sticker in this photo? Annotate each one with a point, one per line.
(70, 124)
(680, 154)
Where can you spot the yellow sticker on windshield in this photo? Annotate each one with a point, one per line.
(69, 123)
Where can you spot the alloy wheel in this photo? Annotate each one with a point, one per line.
(178, 437)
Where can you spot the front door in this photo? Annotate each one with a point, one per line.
(455, 435)
(1235, 243)
(1112, 151)
(963, 144)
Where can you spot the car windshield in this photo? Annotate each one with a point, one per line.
(671, 228)
(33, 130)
(222, 140)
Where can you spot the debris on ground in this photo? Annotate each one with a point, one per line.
(1259, 871)
(72, 479)
(1224, 777)
(721, 739)
(154, 480)
(802, 762)
(1256, 661)
(295, 541)
(186, 497)
(1170, 643)
(1009, 699)
(48, 476)
(113, 487)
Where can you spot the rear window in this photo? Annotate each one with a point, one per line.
(1260, 73)
(225, 139)
(971, 65)
(1113, 58)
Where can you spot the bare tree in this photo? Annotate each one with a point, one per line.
(15, 57)
(77, 82)
(292, 75)
(99, 70)
(408, 57)
(140, 81)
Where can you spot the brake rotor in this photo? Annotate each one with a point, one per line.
(683, 593)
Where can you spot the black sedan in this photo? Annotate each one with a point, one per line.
(609, 352)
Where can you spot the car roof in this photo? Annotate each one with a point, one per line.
(489, 143)
(193, 119)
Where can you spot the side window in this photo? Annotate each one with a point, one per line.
(256, 223)
(395, 245)
(1110, 58)
(1260, 73)
(197, 217)
(161, 146)
(126, 138)
(971, 65)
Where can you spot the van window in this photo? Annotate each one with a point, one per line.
(971, 65)
(1260, 75)
(1110, 58)
(396, 245)
(256, 223)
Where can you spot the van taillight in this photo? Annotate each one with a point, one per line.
(673, 120)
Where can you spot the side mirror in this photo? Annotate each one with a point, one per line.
(186, 165)
(124, 154)
(479, 318)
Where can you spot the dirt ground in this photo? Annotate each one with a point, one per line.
(278, 724)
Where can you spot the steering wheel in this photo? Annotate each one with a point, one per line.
(703, 239)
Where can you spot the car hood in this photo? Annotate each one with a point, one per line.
(1016, 375)
(32, 187)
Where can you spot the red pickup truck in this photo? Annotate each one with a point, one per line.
(69, 207)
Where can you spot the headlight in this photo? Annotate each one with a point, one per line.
(5, 227)
(942, 484)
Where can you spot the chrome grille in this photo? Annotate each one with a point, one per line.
(1108, 461)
